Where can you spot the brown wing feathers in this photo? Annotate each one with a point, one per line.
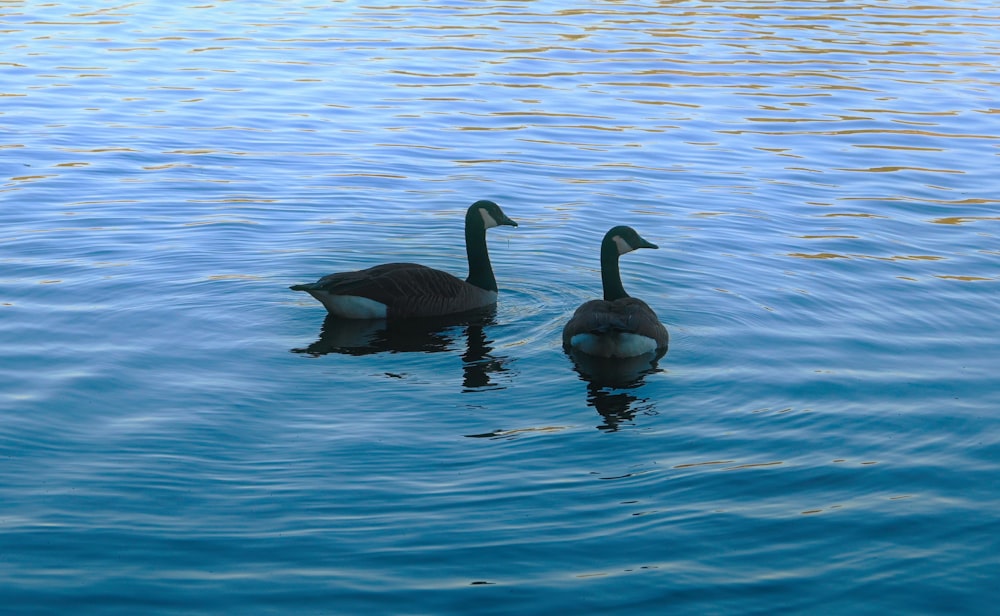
(407, 289)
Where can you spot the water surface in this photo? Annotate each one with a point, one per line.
(181, 433)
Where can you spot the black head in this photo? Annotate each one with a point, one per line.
(626, 239)
(488, 214)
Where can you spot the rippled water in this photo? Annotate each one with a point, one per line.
(180, 433)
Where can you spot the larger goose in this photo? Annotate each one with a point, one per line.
(408, 290)
(618, 325)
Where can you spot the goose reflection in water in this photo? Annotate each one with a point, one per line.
(428, 335)
(609, 380)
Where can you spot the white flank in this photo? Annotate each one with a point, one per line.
(613, 345)
(351, 306)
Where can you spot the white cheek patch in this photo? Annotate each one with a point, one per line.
(622, 245)
(488, 220)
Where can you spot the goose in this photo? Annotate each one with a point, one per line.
(407, 290)
(619, 325)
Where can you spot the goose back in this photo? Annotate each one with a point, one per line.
(404, 290)
(625, 327)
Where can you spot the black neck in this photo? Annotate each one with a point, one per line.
(611, 278)
(480, 270)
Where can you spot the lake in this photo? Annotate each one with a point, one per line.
(182, 434)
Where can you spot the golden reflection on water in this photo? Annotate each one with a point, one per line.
(753, 465)
(853, 215)
(964, 278)
(616, 90)
(830, 255)
(961, 220)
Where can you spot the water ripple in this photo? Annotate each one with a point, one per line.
(820, 178)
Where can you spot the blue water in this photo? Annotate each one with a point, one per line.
(181, 434)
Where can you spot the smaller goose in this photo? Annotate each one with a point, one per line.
(618, 325)
(408, 290)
